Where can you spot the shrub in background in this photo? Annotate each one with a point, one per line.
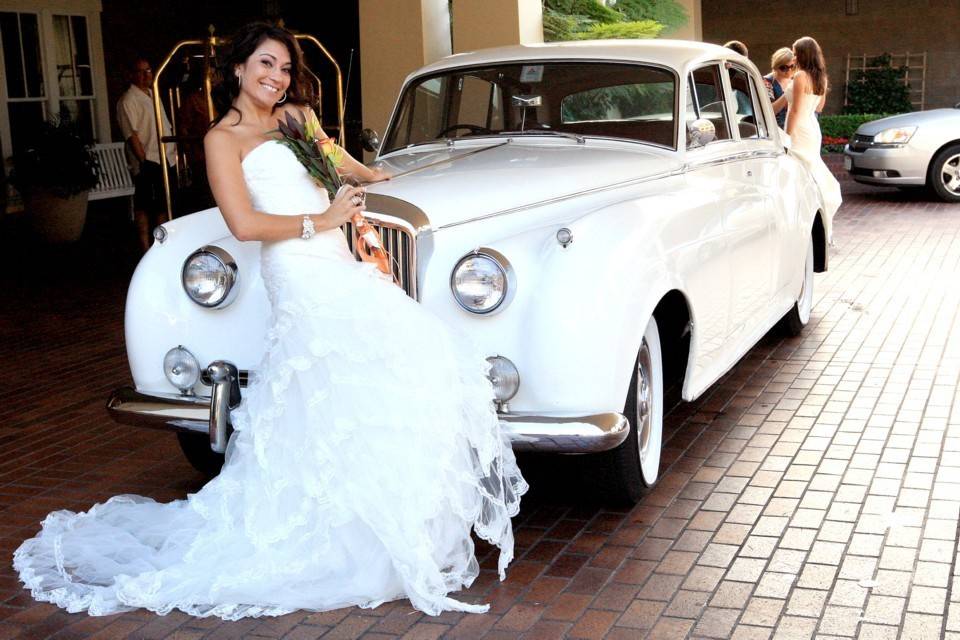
(590, 20)
(837, 130)
(880, 89)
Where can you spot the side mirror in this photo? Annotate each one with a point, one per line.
(700, 133)
(370, 140)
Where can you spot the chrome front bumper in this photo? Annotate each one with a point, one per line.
(527, 432)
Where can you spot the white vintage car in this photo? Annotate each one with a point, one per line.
(608, 220)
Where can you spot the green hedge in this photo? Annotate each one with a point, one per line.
(845, 126)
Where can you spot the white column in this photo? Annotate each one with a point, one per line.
(478, 24)
(693, 30)
(396, 38)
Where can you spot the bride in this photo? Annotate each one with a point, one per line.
(364, 453)
(804, 94)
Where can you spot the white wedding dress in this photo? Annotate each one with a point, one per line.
(365, 452)
(805, 144)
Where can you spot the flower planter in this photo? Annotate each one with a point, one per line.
(57, 220)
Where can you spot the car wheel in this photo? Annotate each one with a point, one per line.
(798, 317)
(944, 178)
(196, 448)
(624, 472)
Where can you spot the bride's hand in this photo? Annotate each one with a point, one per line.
(347, 204)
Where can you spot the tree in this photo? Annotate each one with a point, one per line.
(879, 88)
(589, 19)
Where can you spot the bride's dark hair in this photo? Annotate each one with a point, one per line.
(810, 59)
(240, 47)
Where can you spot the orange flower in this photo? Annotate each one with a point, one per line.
(331, 150)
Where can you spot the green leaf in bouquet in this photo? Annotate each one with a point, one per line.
(295, 125)
(305, 148)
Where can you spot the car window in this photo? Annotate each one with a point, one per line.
(479, 103)
(748, 113)
(758, 96)
(707, 91)
(617, 100)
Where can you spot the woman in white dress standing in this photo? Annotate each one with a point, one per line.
(808, 90)
(366, 450)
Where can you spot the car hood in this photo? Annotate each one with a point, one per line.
(915, 118)
(452, 185)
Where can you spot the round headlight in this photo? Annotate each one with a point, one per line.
(210, 276)
(181, 368)
(505, 378)
(482, 281)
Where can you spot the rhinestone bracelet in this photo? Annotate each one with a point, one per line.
(308, 229)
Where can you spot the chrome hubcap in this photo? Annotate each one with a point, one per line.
(644, 399)
(950, 174)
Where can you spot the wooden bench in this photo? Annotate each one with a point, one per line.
(115, 179)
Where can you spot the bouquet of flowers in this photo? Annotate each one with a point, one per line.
(322, 159)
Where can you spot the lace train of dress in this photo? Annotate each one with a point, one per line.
(805, 144)
(365, 452)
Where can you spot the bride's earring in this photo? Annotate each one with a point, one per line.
(239, 80)
(283, 99)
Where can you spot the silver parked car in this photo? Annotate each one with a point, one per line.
(909, 150)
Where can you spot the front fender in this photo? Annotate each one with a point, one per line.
(160, 316)
(576, 323)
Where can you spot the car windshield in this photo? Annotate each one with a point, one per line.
(617, 100)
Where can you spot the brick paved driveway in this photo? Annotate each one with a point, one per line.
(814, 491)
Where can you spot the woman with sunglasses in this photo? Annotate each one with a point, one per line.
(782, 67)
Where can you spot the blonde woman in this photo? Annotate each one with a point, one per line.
(781, 72)
(804, 95)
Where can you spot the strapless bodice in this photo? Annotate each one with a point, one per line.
(279, 185)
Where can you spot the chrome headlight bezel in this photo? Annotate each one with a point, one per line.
(227, 267)
(501, 265)
(894, 136)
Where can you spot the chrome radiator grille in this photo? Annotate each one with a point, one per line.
(400, 244)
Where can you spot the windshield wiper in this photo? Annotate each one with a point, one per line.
(544, 132)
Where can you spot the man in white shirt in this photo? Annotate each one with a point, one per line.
(138, 124)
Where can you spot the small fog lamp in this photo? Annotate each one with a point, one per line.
(182, 369)
(505, 378)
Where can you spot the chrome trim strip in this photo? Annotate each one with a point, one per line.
(377, 204)
(553, 433)
(734, 157)
(569, 196)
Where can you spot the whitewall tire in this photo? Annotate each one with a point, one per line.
(798, 317)
(626, 471)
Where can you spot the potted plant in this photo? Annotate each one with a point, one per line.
(54, 173)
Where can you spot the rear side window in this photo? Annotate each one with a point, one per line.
(749, 115)
(708, 103)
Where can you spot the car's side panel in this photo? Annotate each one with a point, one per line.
(576, 322)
